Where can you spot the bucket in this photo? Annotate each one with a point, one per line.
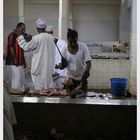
(118, 86)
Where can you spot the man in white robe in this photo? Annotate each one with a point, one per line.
(61, 44)
(43, 49)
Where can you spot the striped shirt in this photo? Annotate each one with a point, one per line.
(12, 42)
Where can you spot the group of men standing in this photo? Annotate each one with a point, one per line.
(52, 59)
(55, 63)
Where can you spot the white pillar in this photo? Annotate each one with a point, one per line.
(64, 12)
(21, 10)
(124, 35)
(133, 49)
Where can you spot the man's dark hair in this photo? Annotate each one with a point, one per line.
(20, 24)
(72, 34)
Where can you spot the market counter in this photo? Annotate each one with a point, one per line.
(68, 100)
(87, 118)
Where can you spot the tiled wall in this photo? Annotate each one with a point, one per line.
(104, 69)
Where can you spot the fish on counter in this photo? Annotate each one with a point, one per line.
(49, 92)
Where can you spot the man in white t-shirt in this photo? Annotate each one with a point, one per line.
(77, 61)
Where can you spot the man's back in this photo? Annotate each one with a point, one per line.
(45, 48)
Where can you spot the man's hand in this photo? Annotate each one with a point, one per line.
(85, 75)
(57, 66)
(64, 63)
(27, 37)
(84, 80)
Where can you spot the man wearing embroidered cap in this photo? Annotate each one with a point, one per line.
(41, 23)
(42, 47)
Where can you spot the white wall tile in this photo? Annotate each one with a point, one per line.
(107, 69)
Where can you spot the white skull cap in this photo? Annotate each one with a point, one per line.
(49, 28)
(41, 23)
